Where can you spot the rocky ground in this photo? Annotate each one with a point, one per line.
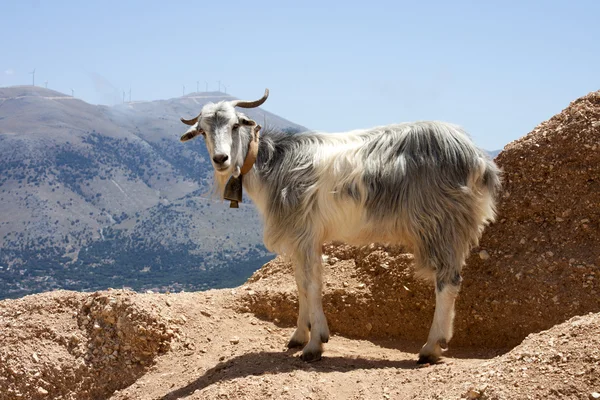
(527, 324)
(123, 345)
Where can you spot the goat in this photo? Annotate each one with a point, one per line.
(423, 185)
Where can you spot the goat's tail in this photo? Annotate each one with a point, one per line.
(488, 181)
(492, 177)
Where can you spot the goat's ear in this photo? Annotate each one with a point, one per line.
(247, 121)
(192, 133)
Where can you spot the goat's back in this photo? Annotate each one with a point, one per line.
(386, 183)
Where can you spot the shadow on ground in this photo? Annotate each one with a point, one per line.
(270, 363)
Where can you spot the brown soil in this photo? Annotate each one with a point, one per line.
(72, 345)
(218, 352)
(533, 283)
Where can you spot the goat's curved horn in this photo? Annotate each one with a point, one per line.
(251, 104)
(190, 121)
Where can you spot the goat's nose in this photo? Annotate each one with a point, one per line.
(220, 158)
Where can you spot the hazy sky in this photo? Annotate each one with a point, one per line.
(498, 68)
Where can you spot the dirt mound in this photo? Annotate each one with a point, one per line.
(61, 343)
(562, 362)
(537, 266)
(544, 252)
(48, 352)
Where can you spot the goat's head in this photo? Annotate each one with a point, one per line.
(224, 130)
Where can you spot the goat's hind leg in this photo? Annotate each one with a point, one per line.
(440, 333)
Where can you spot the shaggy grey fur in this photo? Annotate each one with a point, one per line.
(413, 173)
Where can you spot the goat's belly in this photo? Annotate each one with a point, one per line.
(365, 238)
(353, 228)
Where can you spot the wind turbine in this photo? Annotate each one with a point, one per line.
(33, 77)
(206, 86)
(46, 83)
(219, 85)
(197, 86)
(183, 90)
(130, 95)
(72, 93)
(225, 88)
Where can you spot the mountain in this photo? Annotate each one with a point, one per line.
(84, 188)
(493, 153)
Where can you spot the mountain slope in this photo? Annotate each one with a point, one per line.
(76, 176)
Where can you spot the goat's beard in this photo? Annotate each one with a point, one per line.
(219, 182)
(220, 178)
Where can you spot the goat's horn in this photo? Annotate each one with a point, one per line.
(251, 104)
(190, 121)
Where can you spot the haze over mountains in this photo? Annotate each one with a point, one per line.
(95, 196)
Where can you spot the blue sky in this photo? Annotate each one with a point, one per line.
(496, 68)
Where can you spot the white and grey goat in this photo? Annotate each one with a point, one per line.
(423, 185)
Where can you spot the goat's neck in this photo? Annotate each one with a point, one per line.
(253, 182)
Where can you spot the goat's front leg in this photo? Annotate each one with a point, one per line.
(302, 332)
(309, 278)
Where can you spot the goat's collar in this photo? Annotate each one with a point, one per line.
(252, 151)
(234, 188)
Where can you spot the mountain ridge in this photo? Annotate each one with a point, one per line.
(83, 183)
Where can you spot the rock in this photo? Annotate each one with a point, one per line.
(35, 357)
(594, 396)
(473, 394)
(234, 340)
(42, 391)
(484, 255)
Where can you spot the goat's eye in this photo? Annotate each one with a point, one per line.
(235, 126)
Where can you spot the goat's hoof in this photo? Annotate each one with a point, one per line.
(293, 343)
(324, 338)
(427, 359)
(311, 356)
(443, 344)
